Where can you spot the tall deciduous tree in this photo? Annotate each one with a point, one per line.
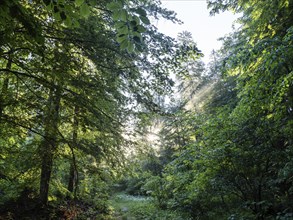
(70, 71)
(237, 165)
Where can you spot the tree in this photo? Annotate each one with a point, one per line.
(237, 164)
(67, 81)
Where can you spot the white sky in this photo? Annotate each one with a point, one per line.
(205, 29)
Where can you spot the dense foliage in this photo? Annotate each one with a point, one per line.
(84, 88)
(232, 159)
(71, 74)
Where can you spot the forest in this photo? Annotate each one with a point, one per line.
(102, 116)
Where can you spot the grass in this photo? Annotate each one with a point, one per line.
(141, 208)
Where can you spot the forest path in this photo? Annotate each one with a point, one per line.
(127, 207)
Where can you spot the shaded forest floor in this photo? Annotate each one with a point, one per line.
(127, 207)
(120, 207)
(130, 207)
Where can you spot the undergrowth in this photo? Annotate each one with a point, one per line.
(141, 208)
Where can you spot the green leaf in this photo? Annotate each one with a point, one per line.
(79, 2)
(92, 2)
(57, 16)
(141, 12)
(133, 23)
(85, 10)
(123, 30)
(114, 6)
(68, 9)
(130, 48)
(123, 15)
(124, 44)
(120, 24)
(141, 29)
(145, 20)
(68, 22)
(137, 34)
(121, 38)
(136, 19)
(137, 39)
(75, 24)
(49, 7)
(116, 16)
(139, 48)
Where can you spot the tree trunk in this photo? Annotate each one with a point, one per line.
(73, 174)
(49, 144)
(72, 177)
(4, 90)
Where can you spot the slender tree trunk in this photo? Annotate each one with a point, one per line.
(72, 177)
(49, 144)
(4, 90)
(73, 173)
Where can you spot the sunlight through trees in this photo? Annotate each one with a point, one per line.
(95, 103)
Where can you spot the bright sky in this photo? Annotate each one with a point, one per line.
(205, 29)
